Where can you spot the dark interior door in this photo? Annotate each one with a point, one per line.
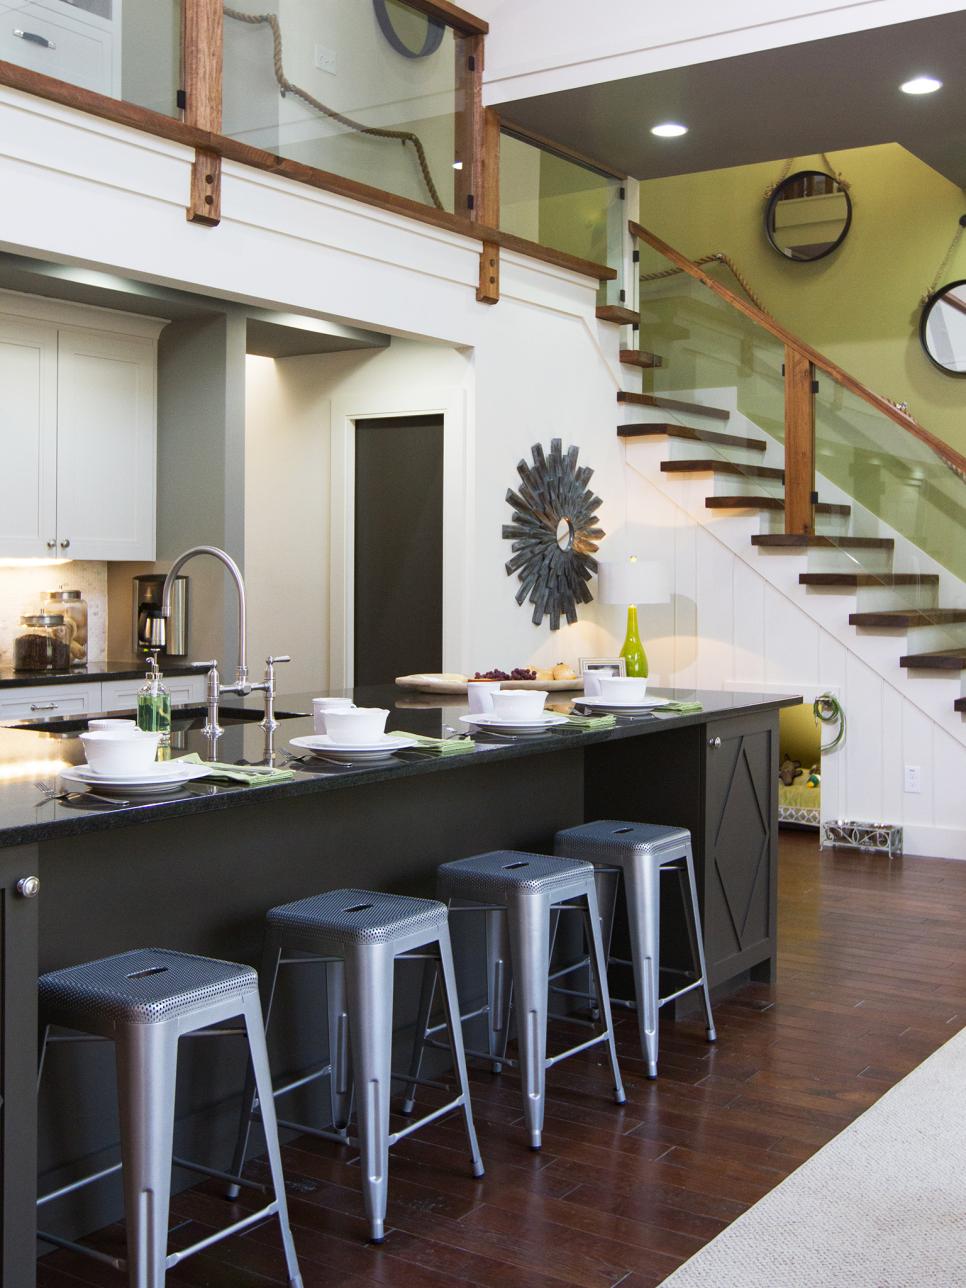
(398, 547)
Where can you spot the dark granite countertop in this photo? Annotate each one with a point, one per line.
(92, 673)
(29, 754)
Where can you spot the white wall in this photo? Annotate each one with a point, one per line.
(539, 46)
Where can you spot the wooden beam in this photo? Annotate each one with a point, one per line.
(202, 39)
(488, 291)
(799, 443)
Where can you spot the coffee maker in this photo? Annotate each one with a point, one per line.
(165, 636)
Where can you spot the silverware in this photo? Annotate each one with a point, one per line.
(51, 795)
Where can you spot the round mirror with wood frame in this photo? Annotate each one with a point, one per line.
(942, 328)
(808, 216)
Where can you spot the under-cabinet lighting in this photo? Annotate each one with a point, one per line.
(32, 769)
(669, 130)
(921, 85)
(33, 563)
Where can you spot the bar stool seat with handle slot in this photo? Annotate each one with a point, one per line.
(636, 854)
(144, 1002)
(359, 935)
(520, 896)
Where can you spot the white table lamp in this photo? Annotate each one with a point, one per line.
(630, 582)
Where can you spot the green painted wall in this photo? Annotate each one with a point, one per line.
(859, 305)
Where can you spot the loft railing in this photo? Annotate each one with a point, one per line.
(873, 450)
(377, 100)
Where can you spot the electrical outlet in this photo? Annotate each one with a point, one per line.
(913, 779)
(325, 59)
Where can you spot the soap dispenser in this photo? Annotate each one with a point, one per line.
(154, 704)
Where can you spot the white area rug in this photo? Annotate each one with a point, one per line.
(883, 1205)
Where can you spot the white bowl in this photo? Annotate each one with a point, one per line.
(322, 706)
(358, 725)
(519, 704)
(107, 726)
(479, 694)
(115, 751)
(623, 688)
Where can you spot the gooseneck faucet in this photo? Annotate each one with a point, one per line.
(242, 685)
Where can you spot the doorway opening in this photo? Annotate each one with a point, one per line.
(398, 580)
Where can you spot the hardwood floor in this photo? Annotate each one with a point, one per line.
(872, 980)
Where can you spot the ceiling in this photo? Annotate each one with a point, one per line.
(823, 95)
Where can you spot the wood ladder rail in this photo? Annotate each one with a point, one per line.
(803, 352)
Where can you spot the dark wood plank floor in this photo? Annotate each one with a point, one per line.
(872, 980)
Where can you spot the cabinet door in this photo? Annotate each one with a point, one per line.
(19, 928)
(741, 844)
(106, 453)
(185, 690)
(28, 438)
(41, 701)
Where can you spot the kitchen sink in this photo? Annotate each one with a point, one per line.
(182, 718)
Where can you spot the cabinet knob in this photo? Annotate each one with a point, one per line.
(714, 742)
(65, 544)
(28, 887)
(52, 544)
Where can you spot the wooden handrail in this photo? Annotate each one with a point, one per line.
(805, 350)
(142, 118)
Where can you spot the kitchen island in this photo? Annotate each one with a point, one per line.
(197, 871)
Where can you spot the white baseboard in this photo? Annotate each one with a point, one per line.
(933, 842)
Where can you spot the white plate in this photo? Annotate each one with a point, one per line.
(166, 776)
(323, 744)
(623, 705)
(499, 724)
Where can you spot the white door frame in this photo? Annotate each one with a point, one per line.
(451, 403)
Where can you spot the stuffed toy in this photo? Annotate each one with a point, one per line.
(814, 778)
(789, 770)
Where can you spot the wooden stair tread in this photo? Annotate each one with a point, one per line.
(640, 358)
(672, 404)
(617, 313)
(802, 540)
(693, 433)
(853, 580)
(768, 503)
(906, 617)
(959, 704)
(950, 659)
(717, 466)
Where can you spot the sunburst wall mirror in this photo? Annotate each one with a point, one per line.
(554, 533)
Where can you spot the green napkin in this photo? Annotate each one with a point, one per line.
(681, 707)
(436, 746)
(577, 721)
(250, 775)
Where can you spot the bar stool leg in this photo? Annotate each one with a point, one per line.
(261, 1074)
(268, 982)
(499, 985)
(697, 943)
(427, 995)
(598, 965)
(642, 889)
(528, 918)
(607, 882)
(147, 1059)
(340, 1083)
(452, 1007)
(369, 987)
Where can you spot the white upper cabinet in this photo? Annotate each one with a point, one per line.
(106, 448)
(28, 439)
(78, 431)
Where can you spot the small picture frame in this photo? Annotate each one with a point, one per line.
(603, 665)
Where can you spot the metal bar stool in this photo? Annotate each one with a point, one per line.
(637, 854)
(359, 935)
(144, 1002)
(520, 895)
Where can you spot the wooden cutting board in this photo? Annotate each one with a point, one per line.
(453, 683)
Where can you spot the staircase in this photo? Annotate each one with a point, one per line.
(889, 601)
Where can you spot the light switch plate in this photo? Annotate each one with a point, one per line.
(913, 779)
(325, 59)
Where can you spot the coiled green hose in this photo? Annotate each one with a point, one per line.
(827, 709)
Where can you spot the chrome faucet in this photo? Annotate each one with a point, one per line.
(242, 685)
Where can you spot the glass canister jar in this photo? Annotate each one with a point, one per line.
(42, 643)
(73, 606)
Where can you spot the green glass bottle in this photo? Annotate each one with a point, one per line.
(154, 704)
(635, 659)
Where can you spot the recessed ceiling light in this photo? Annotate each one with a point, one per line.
(669, 130)
(921, 85)
(457, 165)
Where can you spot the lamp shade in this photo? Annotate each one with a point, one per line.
(633, 581)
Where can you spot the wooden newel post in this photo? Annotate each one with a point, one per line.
(799, 442)
(488, 291)
(202, 35)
